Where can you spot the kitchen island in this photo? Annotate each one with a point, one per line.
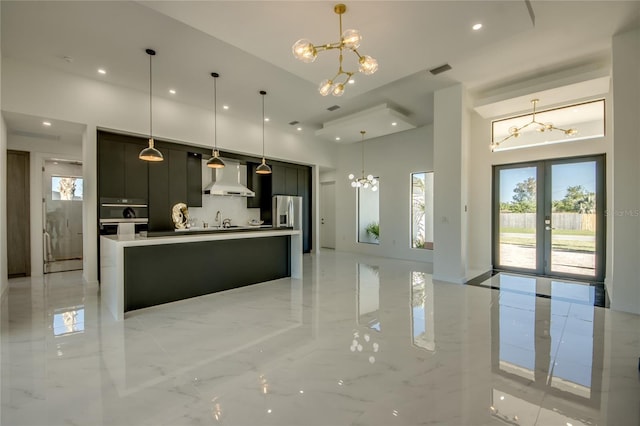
(138, 272)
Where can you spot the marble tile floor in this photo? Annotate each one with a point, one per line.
(360, 340)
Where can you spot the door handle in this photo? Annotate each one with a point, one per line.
(549, 228)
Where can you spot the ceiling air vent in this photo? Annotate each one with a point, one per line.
(293, 123)
(440, 69)
(333, 108)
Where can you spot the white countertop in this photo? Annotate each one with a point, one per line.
(185, 237)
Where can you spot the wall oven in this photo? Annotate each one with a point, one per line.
(123, 210)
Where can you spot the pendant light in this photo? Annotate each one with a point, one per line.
(263, 169)
(363, 181)
(150, 153)
(215, 162)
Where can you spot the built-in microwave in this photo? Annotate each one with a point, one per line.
(123, 210)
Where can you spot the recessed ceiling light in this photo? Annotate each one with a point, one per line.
(46, 123)
(338, 138)
(351, 81)
(266, 119)
(102, 71)
(225, 106)
(299, 128)
(477, 26)
(394, 124)
(172, 91)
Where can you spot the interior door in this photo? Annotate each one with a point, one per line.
(18, 213)
(328, 215)
(549, 217)
(62, 215)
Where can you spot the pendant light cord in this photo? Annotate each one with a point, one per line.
(263, 93)
(215, 113)
(150, 100)
(362, 143)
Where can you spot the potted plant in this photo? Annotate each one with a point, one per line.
(373, 230)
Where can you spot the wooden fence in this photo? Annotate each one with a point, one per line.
(568, 221)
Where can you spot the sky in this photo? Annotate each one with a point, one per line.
(563, 176)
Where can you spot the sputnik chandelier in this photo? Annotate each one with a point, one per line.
(307, 52)
(515, 132)
(363, 181)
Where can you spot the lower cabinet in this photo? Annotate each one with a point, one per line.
(163, 273)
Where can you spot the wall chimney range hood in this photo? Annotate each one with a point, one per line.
(228, 181)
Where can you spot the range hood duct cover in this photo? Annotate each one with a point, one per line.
(227, 181)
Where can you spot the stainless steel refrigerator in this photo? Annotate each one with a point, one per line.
(287, 211)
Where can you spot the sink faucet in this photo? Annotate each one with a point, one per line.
(218, 219)
(226, 223)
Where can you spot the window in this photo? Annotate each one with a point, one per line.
(587, 118)
(66, 188)
(422, 210)
(369, 215)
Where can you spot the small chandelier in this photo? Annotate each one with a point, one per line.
(514, 131)
(150, 153)
(363, 182)
(215, 162)
(307, 52)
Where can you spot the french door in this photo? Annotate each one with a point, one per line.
(548, 217)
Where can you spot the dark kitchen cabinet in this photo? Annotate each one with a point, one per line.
(261, 185)
(284, 180)
(167, 187)
(278, 180)
(136, 173)
(291, 181)
(194, 179)
(121, 174)
(159, 210)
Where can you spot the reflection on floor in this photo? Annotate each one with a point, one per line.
(571, 291)
(62, 265)
(360, 340)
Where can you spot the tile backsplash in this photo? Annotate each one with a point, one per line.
(231, 207)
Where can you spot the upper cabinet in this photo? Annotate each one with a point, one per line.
(121, 174)
(285, 179)
(194, 179)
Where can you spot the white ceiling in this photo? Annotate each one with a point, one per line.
(249, 44)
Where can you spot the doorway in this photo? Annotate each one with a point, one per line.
(328, 215)
(62, 192)
(18, 213)
(549, 217)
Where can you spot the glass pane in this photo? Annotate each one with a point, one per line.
(586, 119)
(571, 330)
(517, 234)
(369, 215)
(369, 296)
(517, 326)
(422, 210)
(573, 219)
(62, 243)
(422, 321)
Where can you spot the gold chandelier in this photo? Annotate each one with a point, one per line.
(515, 132)
(363, 181)
(307, 52)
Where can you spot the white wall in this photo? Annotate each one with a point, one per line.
(40, 150)
(625, 292)
(3, 194)
(49, 93)
(393, 158)
(451, 140)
